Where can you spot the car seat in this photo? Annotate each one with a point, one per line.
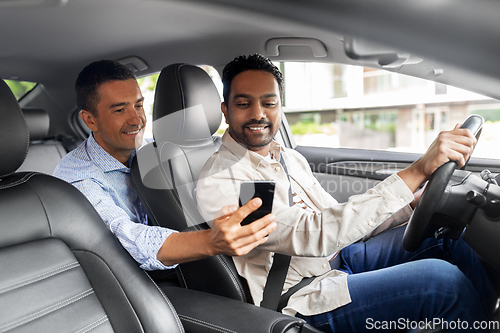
(61, 269)
(43, 153)
(186, 115)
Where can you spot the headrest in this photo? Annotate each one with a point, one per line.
(14, 132)
(188, 96)
(38, 122)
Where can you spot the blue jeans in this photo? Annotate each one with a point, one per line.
(443, 282)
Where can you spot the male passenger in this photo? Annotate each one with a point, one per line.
(375, 280)
(111, 106)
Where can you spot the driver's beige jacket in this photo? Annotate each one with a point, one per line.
(308, 236)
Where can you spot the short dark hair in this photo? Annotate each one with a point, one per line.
(95, 74)
(244, 63)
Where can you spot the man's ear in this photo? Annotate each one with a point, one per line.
(223, 108)
(89, 120)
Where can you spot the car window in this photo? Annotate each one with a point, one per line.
(336, 105)
(20, 88)
(148, 86)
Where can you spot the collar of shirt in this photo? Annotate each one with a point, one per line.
(242, 152)
(103, 159)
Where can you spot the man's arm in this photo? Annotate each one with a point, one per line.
(226, 236)
(311, 234)
(455, 145)
(141, 241)
(157, 248)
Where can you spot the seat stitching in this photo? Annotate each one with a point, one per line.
(20, 181)
(182, 276)
(165, 178)
(93, 325)
(39, 277)
(174, 312)
(203, 323)
(190, 219)
(115, 279)
(27, 133)
(46, 311)
(233, 278)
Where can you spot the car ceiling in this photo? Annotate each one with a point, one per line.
(50, 41)
(68, 36)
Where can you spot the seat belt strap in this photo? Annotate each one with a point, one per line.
(290, 195)
(279, 269)
(286, 296)
(275, 281)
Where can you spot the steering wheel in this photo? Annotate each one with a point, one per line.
(430, 199)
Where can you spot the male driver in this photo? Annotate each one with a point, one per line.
(375, 281)
(111, 106)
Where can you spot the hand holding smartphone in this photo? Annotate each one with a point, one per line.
(263, 189)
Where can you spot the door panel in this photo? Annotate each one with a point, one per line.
(344, 172)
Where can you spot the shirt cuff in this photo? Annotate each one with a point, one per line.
(394, 186)
(153, 241)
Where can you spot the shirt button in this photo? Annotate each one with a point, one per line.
(277, 168)
(325, 265)
(401, 200)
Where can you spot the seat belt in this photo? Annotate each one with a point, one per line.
(275, 281)
(286, 296)
(279, 269)
(272, 298)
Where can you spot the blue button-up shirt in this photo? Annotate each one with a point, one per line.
(107, 185)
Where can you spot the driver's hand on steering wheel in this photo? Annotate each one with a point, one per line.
(455, 145)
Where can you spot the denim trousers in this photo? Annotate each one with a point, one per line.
(442, 284)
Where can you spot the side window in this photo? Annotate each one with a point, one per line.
(148, 86)
(334, 105)
(20, 88)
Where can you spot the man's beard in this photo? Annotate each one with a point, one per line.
(252, 141)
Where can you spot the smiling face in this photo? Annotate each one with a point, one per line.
(253, 110)
(119, 123)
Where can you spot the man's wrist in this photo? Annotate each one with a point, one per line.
(207, 243)
(413, 176)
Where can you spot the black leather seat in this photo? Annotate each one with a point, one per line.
(186, 115)
(61, 270)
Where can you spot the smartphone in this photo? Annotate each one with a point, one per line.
(264, 189)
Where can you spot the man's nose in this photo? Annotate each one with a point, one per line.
(136, 117)
(258, 112)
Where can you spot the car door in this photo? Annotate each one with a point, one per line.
(345, 172)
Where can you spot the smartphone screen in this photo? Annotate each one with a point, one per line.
(263, 189)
